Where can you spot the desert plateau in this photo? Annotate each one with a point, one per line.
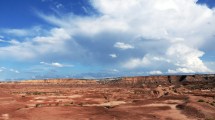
(180, 97)
(107, 59)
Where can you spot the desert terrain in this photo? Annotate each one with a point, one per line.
(181, 97)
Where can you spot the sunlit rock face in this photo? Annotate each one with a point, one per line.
(162, 80)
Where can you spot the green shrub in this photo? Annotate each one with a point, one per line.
(67, 104)
(37, 93)
(200, 100)
(210, 119)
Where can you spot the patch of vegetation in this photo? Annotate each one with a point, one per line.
(69, 104)
(200, 100)
(210, 119)
(180, 106)
(36, 93)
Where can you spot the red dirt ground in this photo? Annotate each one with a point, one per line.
(100, 102)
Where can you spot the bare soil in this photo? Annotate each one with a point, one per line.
(99, 102)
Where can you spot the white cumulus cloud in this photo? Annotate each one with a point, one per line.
(168, 35)
(156, 72)
(113, 55)
(123, 46)
(56, 64)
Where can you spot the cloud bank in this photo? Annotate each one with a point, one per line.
(155, 36)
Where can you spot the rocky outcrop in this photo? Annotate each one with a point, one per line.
(162, 80)
(138, 81)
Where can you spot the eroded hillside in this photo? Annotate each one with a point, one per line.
(183, 97)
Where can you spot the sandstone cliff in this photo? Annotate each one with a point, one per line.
(138, 81)
(163, 80)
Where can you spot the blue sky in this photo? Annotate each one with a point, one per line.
(105, 38)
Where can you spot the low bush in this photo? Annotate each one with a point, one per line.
(200, 100)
